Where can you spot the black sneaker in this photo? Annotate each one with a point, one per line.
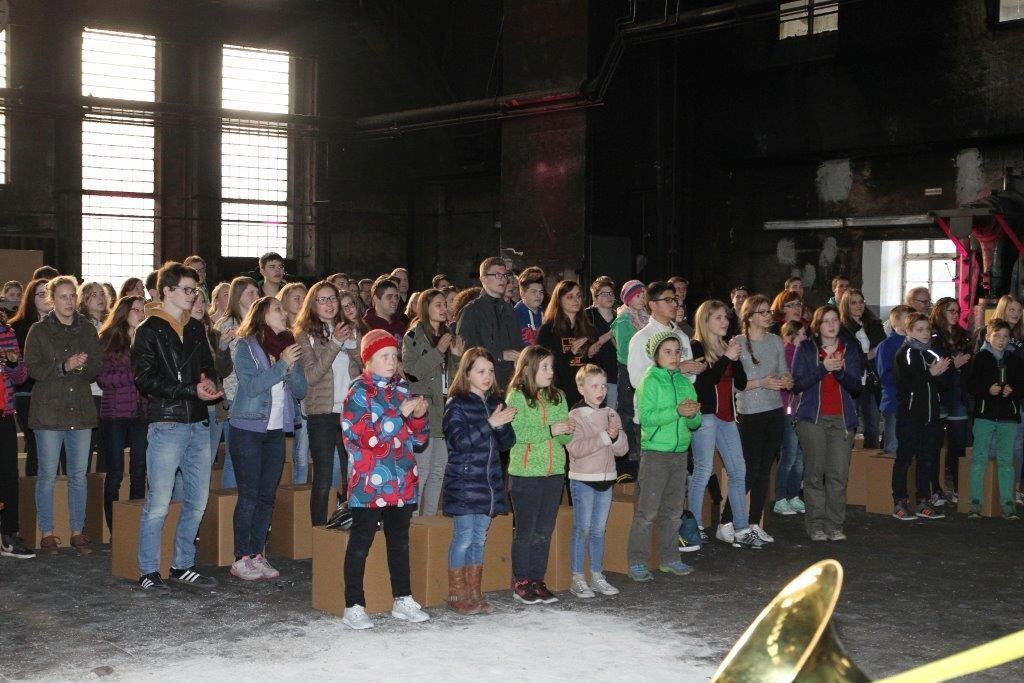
(546, 596)
(13, 546)
(192, 578)
(524, 592)
(153, 582)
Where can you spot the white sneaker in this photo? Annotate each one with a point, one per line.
(600, 585)
(268, 571)
(355, 618)
(407, 609)
(247, 569)
(756, 528)
(580, 588)
(725, 533)
(748, 538)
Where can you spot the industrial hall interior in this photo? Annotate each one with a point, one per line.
(531, 340)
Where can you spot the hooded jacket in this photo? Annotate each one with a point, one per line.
(592, 452)
(662, 428)
(986, 370)
(62, 400)
(918, 389)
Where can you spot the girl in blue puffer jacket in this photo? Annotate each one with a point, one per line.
(476, 429)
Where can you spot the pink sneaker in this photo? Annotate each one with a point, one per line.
(247, 569)
(268, 571)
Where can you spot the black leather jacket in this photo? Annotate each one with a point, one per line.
(168, 369)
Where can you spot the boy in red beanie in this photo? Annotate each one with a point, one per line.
(381, 424)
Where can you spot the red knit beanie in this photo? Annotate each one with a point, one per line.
(374, 341)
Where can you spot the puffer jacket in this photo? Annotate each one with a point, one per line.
(121, 398)
(168, 368)
(13, 373)
(429, 371)
(662, 428)
(62, 400)
(592, 452)
(808, 372)
(318, 356)
(256, 377)
(537, 453)
(380, 442)
(473, 481)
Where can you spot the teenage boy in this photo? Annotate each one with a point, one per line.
(45, 272)
(885, 357)
(662, 303)
(401, 277)
(795, 284)
(681, 286)
(840, 283)
(196, 263)
(151, 290)
(173, 365)
(737, 296)
(531, 298)
(491, 322)
(271, 274)
(383, 314)
(440, 281)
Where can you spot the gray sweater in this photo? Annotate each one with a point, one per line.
(771, 357)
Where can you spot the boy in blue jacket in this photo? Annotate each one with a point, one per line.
(885, 356)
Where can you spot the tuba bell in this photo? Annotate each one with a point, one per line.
(793, 640)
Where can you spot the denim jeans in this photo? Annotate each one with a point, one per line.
(890, 442)
(115, 434)
(920, 442)
(174, 446)
(468, 538)
(259, 460)
(216, 431)
(227, 477)
(867, 410)
(430, 464)
(589, 518)
(300, 453)
(76, 445)
(791, 463)
(725, 435)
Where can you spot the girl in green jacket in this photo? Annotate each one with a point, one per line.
(536, 469)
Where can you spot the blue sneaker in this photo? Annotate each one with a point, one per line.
(678, 568)
(689, 533)
(640, 573)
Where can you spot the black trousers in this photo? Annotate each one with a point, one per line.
(917, 441)
(396, 534)
(535, 502)
(9, 474)
(761, 438)
(21, 407)
(115, 434)
(956, 435)
(324, 437)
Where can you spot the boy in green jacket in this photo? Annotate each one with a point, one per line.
(669, 411)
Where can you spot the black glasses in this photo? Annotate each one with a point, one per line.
(188, 290)
(765, 312)
(497, 276)
(326, 299)
(673, 299)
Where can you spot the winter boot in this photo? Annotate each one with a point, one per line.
(460, 599)
(474, 575)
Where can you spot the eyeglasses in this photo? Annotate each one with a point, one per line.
(794, 304)
(605, 295)
(673, 299)
(924, 302)
(497, 276)
(349, 306)
(189, 291)
(326, 299)
(764, 312)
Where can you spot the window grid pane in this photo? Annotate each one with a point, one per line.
(1011, 10)
(255, 80)
(794, 17)
(117, 238)
(253, 229)
(117, 156)
(118, 65)
(3, 115)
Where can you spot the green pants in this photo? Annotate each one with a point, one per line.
(1001, 436)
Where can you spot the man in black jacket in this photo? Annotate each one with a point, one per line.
(173, 365)
(491, 322)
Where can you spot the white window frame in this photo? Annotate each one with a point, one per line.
(3, 110)
(1010, 11)
(933, 254)
(795, 15)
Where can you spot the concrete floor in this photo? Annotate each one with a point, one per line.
(914, 592)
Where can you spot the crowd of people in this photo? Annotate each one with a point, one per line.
(469, 402)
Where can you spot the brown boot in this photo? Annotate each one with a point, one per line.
(460, 600)
(82, 543)
(49, 545)
(474, 576)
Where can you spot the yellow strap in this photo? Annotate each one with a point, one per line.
(979, 658)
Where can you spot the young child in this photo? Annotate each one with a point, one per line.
(597, 440)
(885, 358)
(476, 429)
(381, 424)
(536, 469)
(918, 372)
(668, 410)
(993, 381)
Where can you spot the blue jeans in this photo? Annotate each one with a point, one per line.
(300, 454)
(467, 548)
(726, 436)
(259, 460)
(791, 463)
(227, 477)
(867, 409)
(174, 446)
(890, 440)
(589, 518)
(76, 445)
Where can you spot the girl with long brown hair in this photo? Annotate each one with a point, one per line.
(35, 303)
(786, 306)
(949, 340)
(863, 330)
(123, 420)
(242, 292)
(568, 333)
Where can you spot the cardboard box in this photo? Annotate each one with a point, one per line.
(498, 555)
(429, 541)
(217, 530)
(329, 547)
(989, 497)
(22, 459)
(21, 443)
(559, 576)
(124, 544)
(29, 521)
(857, 481)
(878, 473)
(95, 516)
(291, 530)
(616, 535)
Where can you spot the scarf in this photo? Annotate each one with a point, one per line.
(638, 319)
(914, 344)
(273, 343)
(998, 354)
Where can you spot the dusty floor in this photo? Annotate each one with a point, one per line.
(914, 592)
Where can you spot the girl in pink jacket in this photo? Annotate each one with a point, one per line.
(596, 441)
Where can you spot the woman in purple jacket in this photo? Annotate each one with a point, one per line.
(122, 407)
(827, 375)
